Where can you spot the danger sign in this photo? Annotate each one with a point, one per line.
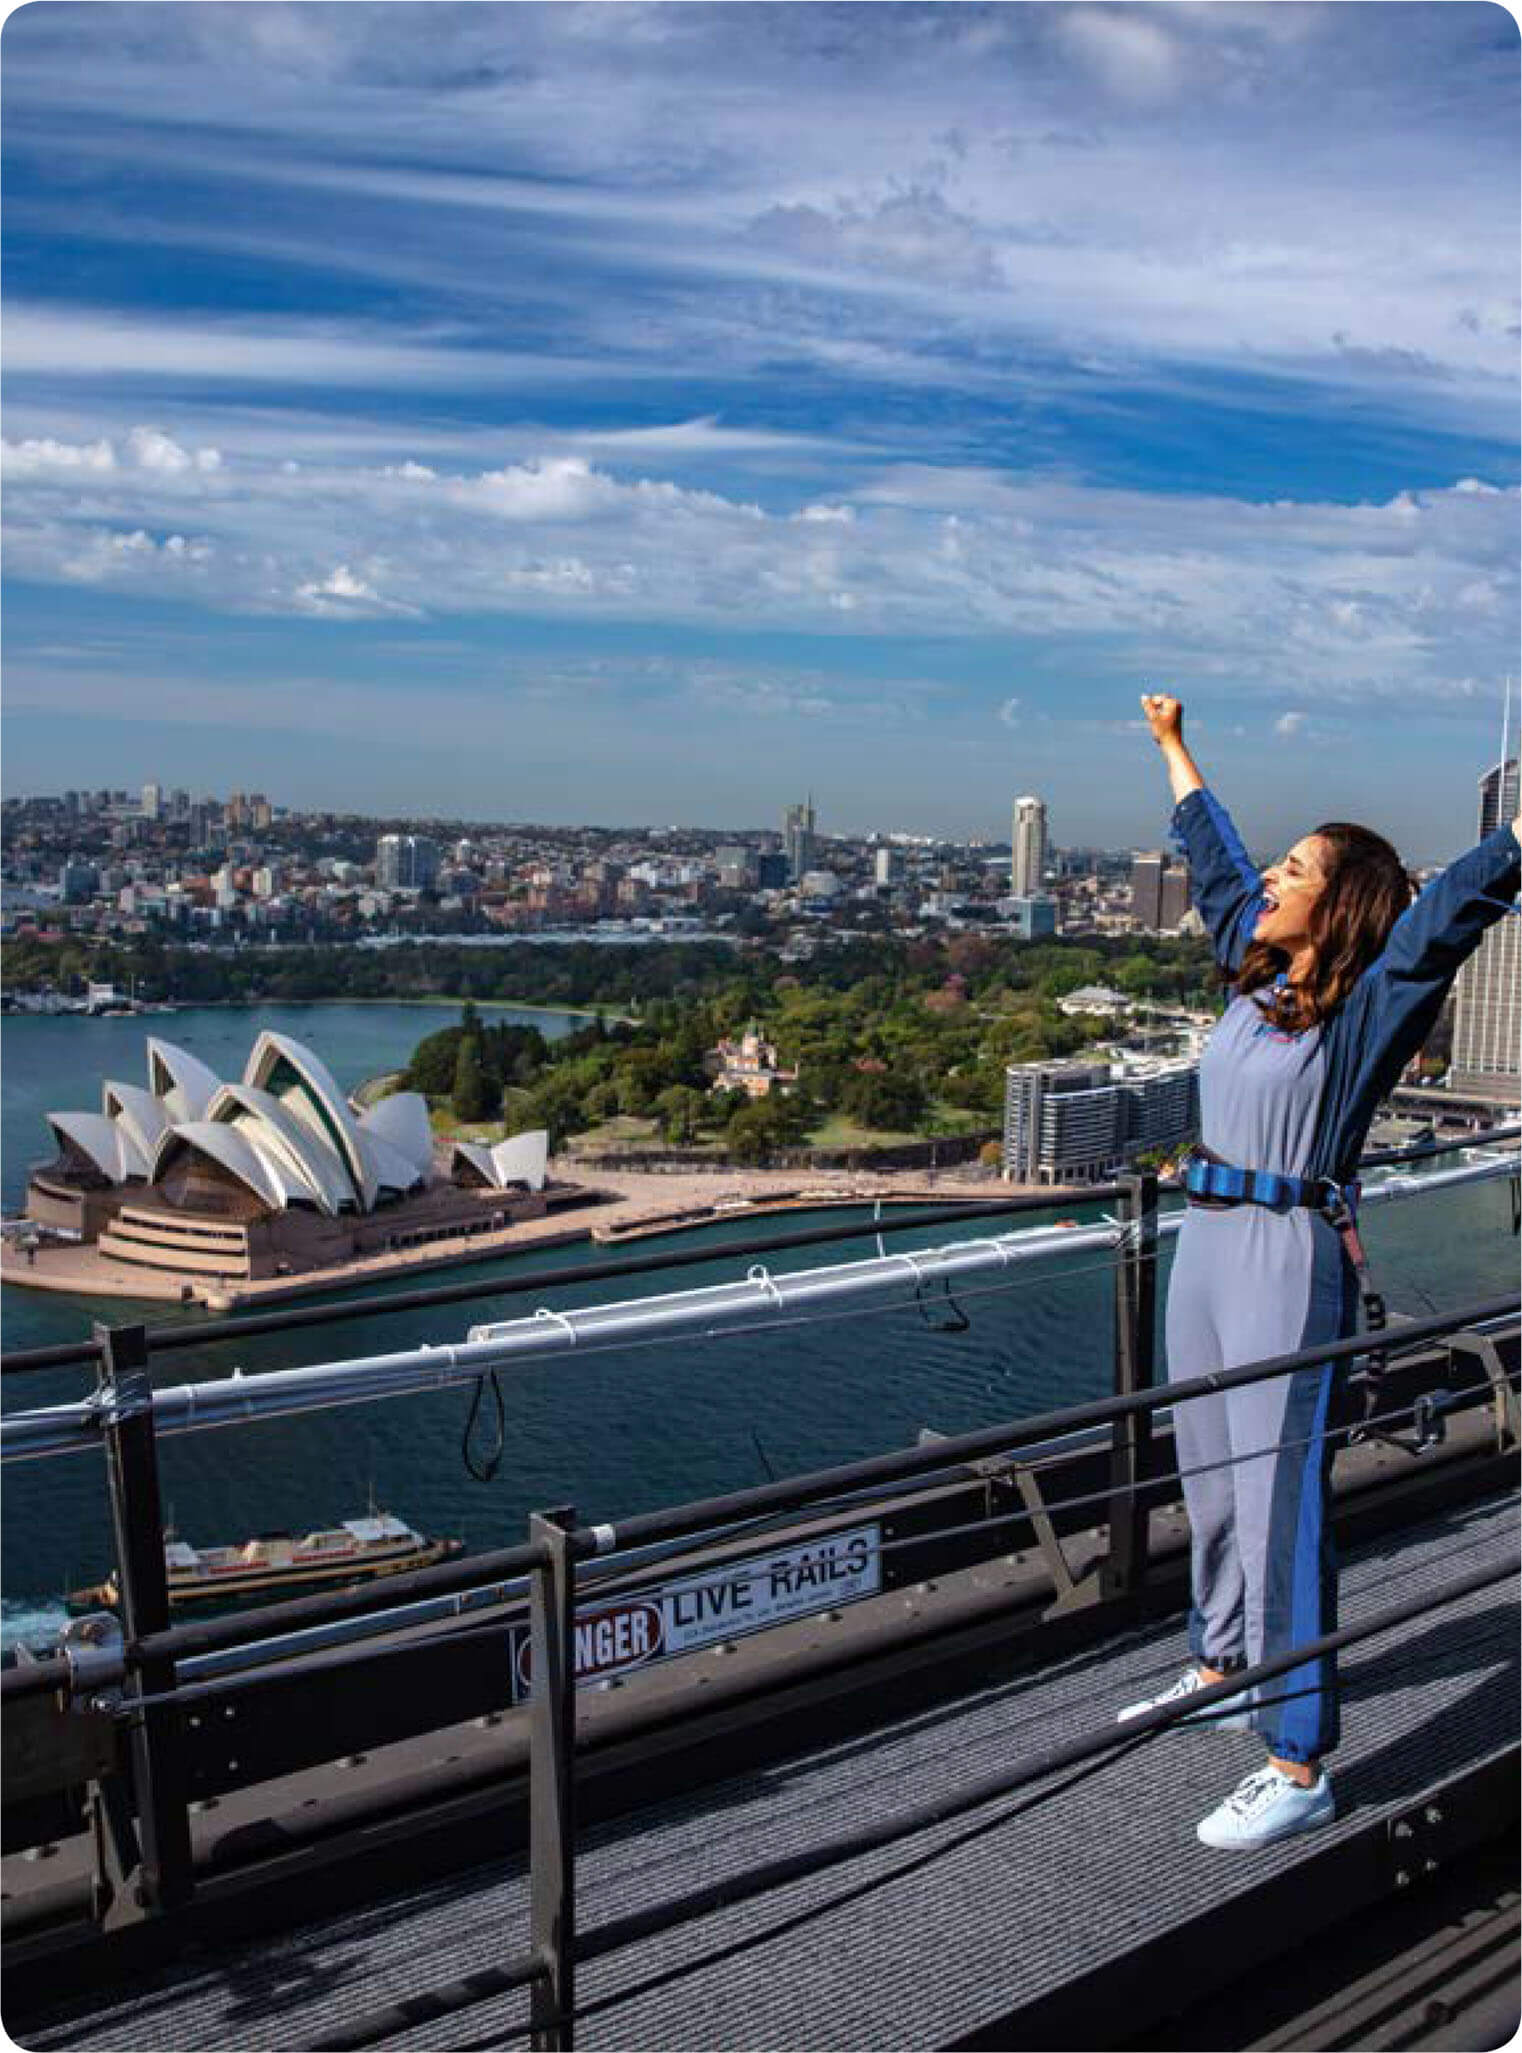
(722, 1603)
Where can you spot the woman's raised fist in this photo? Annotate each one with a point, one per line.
(1165, 716)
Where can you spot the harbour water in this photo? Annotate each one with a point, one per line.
(613, 1432)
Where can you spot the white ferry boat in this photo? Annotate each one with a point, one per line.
(352, 1551)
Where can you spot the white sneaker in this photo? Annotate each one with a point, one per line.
(1266, 1807)
(1231, 1714)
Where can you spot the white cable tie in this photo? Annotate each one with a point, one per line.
(762, 1277)
(559, 1319)
(920, 1279)
(604, 1539)
(1000, 1247)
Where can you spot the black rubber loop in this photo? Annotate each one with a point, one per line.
(488, 1468)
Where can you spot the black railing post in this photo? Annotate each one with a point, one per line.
(552, 1784)
(1135, 1363)
(126, 1396)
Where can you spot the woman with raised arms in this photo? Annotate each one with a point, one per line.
(1337, 978)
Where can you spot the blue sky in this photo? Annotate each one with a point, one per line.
(640, 413)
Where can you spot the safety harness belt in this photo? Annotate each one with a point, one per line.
(1210, 1181)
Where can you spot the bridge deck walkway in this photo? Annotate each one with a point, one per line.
(925, 1942)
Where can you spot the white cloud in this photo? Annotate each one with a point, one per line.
(1009, 712)
(152, 449)
(1288, 725)
(23, 459)
(901, 193)
(344, 594)
(96, 344)
(1320, 600)
(1129, 50)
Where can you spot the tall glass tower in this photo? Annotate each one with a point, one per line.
(1487, 1019)
(1027, 860)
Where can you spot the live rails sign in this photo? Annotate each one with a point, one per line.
(722, 1603)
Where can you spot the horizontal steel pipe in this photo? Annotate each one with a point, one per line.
(229, 1400)
(34, 1678)
(1425, 1150)
(205, 1635)
(707, 1312)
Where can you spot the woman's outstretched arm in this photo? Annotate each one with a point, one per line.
(1165, 717)
(1223, 880)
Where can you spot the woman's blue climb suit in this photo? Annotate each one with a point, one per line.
(1250, 1282)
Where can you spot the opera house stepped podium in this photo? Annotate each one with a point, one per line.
(275, 1175)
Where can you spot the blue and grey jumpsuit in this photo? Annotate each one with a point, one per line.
(1249, 1282)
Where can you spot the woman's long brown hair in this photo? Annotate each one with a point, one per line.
(1366, 891)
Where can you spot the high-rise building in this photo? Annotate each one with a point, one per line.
(798, 837)
(1173, 900)
(1080, 1122)
(153, 799)
(888, 866)
(1027, 859)
(406, 862)
(1159, 891)
(1147, 873)
(1487, 1019)
(737, 867)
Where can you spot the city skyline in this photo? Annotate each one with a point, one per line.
(641, 411)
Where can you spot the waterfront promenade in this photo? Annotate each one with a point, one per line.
(623, 1204)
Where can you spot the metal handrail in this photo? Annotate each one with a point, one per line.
(706, 1311)
(167, 1339)
(791, 1494)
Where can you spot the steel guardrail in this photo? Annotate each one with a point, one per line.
(791, 1494)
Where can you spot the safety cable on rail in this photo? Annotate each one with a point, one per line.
(705, 1315)
(1107, 1743)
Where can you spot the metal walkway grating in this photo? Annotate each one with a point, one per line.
(923, 1942)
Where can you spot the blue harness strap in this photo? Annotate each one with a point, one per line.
(1210, 1181)
(1205, 1177)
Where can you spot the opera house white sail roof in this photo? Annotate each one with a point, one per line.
(286, 1132)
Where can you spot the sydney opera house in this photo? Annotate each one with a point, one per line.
(276, 1175)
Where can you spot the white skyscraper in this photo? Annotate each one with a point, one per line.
(1027, 861)
(1487, 1019)
(153, 799)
